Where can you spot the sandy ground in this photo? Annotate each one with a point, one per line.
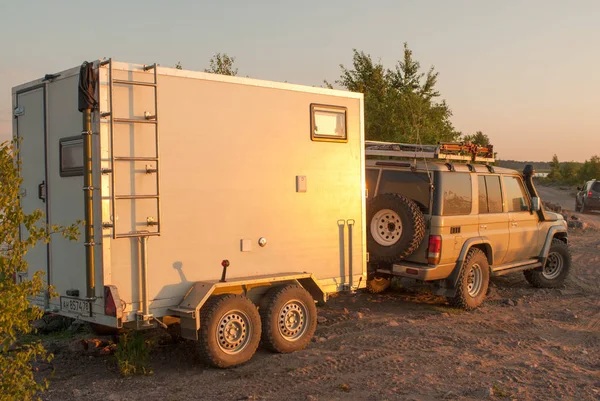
(523, 344)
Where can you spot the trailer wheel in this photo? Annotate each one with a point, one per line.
(229, 330)
(289, 318)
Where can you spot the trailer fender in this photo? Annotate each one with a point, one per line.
(253, 287)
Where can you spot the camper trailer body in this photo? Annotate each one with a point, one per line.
(202, 184)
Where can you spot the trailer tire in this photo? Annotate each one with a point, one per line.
(289, 318)
(229, 330)
(395, 227)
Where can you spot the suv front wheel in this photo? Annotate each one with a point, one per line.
(555, 270)
(473, 281)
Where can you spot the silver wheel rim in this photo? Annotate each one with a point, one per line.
(233, 332)
(386, 227)
(554, 266)
(475, 280)
(292, 320)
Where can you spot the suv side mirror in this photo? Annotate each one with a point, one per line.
(535, 204)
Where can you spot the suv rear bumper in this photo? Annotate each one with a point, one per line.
(422, 272)
(592, 203)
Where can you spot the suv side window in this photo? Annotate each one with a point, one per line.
(490, 194)
(456, 192)
(515, 195)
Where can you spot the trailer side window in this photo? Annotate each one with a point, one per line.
(328, 123)
(71, 156)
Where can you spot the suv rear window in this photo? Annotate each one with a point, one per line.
(456, 194)
(596, 187)
(413, 185)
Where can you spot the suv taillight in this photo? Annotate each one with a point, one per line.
(590, 194)
(434, 250)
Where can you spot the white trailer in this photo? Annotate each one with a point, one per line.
(253, 196)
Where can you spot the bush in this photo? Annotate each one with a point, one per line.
(132, 354)
(17, 381)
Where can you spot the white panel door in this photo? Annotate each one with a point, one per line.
(32, 153)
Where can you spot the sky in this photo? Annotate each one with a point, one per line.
(526, 73)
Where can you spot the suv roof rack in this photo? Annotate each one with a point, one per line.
(463, 151)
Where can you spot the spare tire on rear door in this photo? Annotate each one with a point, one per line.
(396, 227)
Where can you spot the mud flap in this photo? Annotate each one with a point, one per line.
(447, 287)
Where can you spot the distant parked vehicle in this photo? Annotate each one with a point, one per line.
(588, 197)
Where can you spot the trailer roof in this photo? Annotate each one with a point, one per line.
(203, 76)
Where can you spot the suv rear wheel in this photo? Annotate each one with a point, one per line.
(377, 283)
(473, 281)
(396, 227)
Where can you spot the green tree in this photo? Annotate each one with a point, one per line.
(179, 66)
(400, 104)
(555, 173)
(16, 313)
(590, 170)
(569, 172)
(222, 64)
(478, 138)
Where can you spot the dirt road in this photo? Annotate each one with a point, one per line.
(523, 344)
(406, 344)
(563, 197)
(566, 198)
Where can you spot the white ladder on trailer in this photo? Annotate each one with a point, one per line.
(117, 160)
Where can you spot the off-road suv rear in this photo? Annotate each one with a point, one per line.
(457, 223)
(588, 197)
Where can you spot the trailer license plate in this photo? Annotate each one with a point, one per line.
(75, 305)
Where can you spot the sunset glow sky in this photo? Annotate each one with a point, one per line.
(525, 73)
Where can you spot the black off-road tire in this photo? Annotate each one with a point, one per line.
(277, 307)
(211, 317)
(538, 279)
(413, 228)
(464, 298)
(378, 283)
